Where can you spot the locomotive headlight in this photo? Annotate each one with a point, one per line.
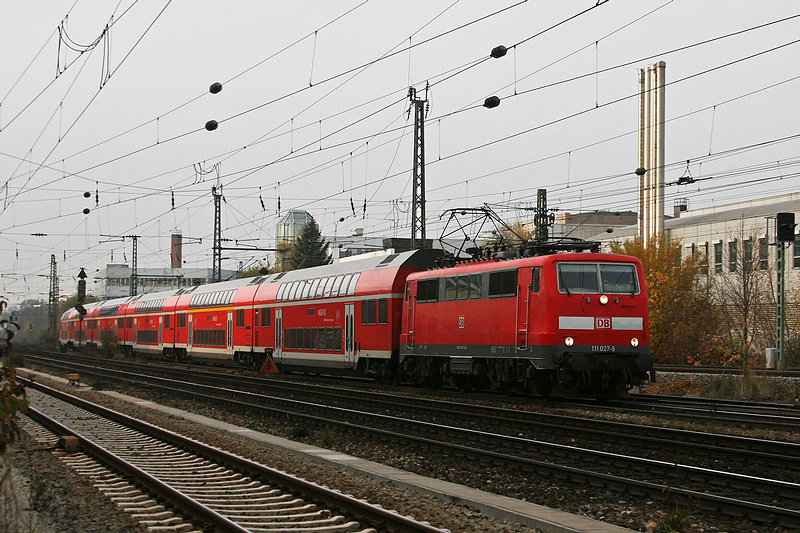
(569, 341)
(634, 342)
(604, 299)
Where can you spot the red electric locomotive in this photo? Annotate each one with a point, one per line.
(561, 323)
(569, 324)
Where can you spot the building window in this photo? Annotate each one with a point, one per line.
(763, 254)
(748, 255)
(718, 258)
(796, 257)
(704, 264)
(733, 251)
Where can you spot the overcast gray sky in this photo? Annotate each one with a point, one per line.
(112, 98)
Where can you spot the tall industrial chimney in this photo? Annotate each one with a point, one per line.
(651, 151)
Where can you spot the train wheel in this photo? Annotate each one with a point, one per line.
(463, 383)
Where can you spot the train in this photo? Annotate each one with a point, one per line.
(567, 323)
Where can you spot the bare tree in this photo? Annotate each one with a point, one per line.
(744, 290)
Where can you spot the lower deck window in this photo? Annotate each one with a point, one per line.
(209, 337)
(328, 339)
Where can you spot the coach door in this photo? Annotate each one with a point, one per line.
(189, 335)
(229, 334)
(349, 333)
(411, 311)
(523, 313)
(278, 352)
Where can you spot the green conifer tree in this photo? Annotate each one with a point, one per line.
(310, 248)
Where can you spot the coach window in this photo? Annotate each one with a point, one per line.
(182, 320)
(312, 292)
(345, 284)
(428, 290)
(240, 318)
(329, 338)
(306, 288)
(279, 296)
(383, 311)
(130, 322)
(503, 283)
(166, 322)
(463, 287)
(536, 277)
(328, 286)
(337, 339)
(306, 338)
(266, 318)
(121, 323)
(351, 289)
(337, 286)
(368, 312)
(474, 286)
(321, 339)
(450, 288)
(320, 288)
(314, 338)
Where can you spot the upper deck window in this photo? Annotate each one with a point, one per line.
(594, 278)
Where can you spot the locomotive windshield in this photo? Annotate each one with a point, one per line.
(596, 278)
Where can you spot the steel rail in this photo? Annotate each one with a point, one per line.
(176, 498)
(756, 511)
(347, 504)
(713, 444)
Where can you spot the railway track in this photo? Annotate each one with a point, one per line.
(205, 485)
(728, 370)
(754, 496)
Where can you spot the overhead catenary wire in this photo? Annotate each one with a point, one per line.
(372, 148)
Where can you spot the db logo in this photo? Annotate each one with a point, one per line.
(602, 323)
(461, 322)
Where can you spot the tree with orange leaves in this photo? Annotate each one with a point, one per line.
(684, 321)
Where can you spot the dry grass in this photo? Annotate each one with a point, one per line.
(747, 386)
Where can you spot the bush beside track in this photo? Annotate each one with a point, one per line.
(729, 384)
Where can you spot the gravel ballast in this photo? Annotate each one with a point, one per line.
(601, 504)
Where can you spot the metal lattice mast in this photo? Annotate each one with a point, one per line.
(53, 299)
(134, 267)
(217, 266)
(541, 219)
(418, 198)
